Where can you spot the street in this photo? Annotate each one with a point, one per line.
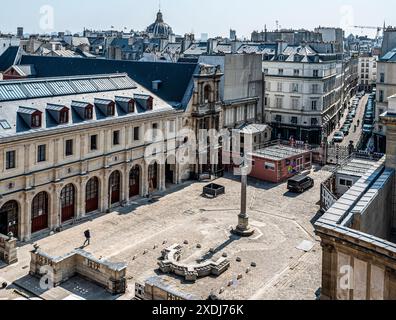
(353, 136)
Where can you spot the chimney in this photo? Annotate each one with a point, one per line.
(281, 46)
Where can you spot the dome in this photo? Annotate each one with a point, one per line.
(159, 29)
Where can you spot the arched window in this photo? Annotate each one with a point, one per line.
(68, 202)
(40, 212)
(92, 195)
(9, 218)
(134, 182)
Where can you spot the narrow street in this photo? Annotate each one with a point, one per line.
(353, 136)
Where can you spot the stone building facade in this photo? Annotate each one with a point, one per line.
(386, 87)
(358, 233)
(367, 72)
(72, 147)
(306, 92)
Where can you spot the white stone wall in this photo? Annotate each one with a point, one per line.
(30, 177)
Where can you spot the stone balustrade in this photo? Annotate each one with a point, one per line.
(170, 264)
(8, 249)
(109, 275)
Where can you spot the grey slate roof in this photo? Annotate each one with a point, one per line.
(16, 106)
(175, 77)
(16, 90)
(389, 56)
(9, 58)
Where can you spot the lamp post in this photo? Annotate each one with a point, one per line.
(243, 229)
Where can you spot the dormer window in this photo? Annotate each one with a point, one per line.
(126, 104)
(36, 120)
(59, 113)
(144, 100)
(107, 107)
(83, 109)
(31, 117)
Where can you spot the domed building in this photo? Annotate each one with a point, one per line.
(159, 29)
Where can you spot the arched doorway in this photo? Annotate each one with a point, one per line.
(40, 212)
(153, 177)
(9, 218)
(115, 187)
(92, 195)
(134, 182)
(68, 196)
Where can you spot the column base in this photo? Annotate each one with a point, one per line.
(243, 229)
(245, 233)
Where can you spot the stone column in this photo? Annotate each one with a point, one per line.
(81, 198)
(26, 217)
(161, 180)
(55, 219)
(105, 191)
(243, 229)
(144, 179)
(329, 272)
(125, 183)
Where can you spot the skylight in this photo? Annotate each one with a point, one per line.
(5, 125)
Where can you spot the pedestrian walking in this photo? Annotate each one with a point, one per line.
(87, 241)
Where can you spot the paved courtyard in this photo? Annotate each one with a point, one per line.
(283, 221)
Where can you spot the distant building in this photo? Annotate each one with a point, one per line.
(233, 35)
(367, 72)
(306, 91)
(386, 87)
(20, 32)
(389, 40)
(292, 37)
(8, 41)
(333, 35)
(159, 29)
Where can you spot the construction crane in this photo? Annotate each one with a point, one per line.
(379, 29)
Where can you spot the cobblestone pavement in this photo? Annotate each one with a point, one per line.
(282, 221)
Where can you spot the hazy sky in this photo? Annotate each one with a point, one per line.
(214, 17)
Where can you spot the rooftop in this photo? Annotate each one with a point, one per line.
(278, 152)
(356, 167)
(175, 77)
(37, 94)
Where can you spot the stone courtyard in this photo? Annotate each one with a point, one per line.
(137, 234)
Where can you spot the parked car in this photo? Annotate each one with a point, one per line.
(348, 121)
(368, 128)
(338, 137)
(345, 130)
(300, 183)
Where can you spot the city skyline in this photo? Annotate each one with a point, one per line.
(75, 16)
